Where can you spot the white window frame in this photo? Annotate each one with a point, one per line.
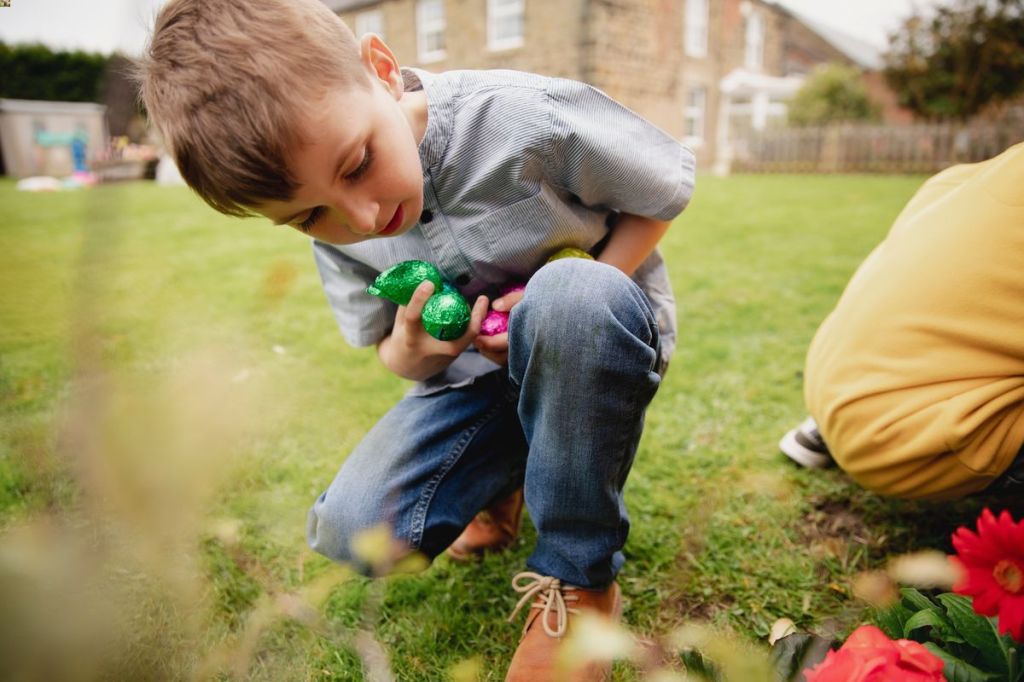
(370, 21)
(695, 113)
(753, 57)
(698, 19)
(428, 27)
(499, 12)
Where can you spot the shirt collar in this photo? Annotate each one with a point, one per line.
(440, 94)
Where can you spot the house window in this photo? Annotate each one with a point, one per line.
(754, 42)
(505, 21)
(696, 28)
(430, 30)
(696, 104)
(370, 22)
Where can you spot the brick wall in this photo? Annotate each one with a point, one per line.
(631, 49)
(552, 47)
(882, 95)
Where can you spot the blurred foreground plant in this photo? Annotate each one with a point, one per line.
(992, 563)
(978, 631)
(868, 655)
(112, 571)
(113, 585)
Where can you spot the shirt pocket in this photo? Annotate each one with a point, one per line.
(521, 236)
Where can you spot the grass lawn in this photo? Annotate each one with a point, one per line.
(174, 394)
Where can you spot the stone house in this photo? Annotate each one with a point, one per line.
(706, 71)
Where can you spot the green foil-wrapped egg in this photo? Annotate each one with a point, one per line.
(398, 282)
(446, 315)
(570, 252)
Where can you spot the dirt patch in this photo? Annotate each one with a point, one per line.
(834, 519)
(694, 606)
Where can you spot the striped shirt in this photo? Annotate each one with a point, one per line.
(515, 167)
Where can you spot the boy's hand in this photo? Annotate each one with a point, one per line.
(495, 348)
(411, 352)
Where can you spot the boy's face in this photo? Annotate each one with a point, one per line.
(359, 173)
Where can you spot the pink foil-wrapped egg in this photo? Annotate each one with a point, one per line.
(495, 323)
(512, 288)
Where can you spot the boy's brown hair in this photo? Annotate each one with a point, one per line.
(225, 80)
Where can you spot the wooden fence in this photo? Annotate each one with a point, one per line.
(871, 148)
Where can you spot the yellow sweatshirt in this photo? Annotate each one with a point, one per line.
(916, 378)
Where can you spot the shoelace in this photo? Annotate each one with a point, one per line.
(550, 592)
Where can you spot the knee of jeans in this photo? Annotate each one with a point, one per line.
(334, 521)
(573, 300)
(577, 288)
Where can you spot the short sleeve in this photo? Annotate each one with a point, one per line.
(364, 320)
(611, 157)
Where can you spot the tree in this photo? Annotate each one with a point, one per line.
(831, 94)
(967, 56)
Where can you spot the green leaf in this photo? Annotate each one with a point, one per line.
(917, 601)
(700, 666)
(977, 630)
(793, 654)
(943, 627)
(958, 670)
(892, 619)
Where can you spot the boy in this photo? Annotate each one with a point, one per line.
(271, 107)
(917, 377)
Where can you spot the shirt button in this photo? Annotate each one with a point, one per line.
(426, 216)
(462, 280)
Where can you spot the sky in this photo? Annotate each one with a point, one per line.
(869, 20)
(109, 25)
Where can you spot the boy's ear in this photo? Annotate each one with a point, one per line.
(380, 61)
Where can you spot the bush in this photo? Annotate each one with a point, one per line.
(37, 72)
(833, 93)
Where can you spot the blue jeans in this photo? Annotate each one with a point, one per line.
(564, 420)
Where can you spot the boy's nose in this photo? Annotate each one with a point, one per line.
(362, 227)
(361, 218)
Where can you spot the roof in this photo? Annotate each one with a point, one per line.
(860, 52)
(346, 5)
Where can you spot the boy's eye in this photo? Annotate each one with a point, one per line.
(363, 166)
(314, 215)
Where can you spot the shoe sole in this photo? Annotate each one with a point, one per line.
(803, 456)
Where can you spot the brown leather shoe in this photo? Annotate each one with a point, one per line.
(551, 614)
(492, 530)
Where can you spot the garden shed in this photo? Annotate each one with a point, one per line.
(50, 138)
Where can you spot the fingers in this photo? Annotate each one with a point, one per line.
(414, 310)
(495, 344)
(476, 317)
(508, 301)
(494, 348)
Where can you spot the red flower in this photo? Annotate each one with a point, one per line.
(993, 569)
(869, 656)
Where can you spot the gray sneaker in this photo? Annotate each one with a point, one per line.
(805, 446)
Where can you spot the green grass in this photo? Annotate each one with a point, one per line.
(164, 369)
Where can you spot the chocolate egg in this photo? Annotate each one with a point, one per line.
(446, 315)
(495, 323)
(398, 282)
(512, 288)
(570, 252)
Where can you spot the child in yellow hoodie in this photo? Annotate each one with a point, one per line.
(915, 381)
